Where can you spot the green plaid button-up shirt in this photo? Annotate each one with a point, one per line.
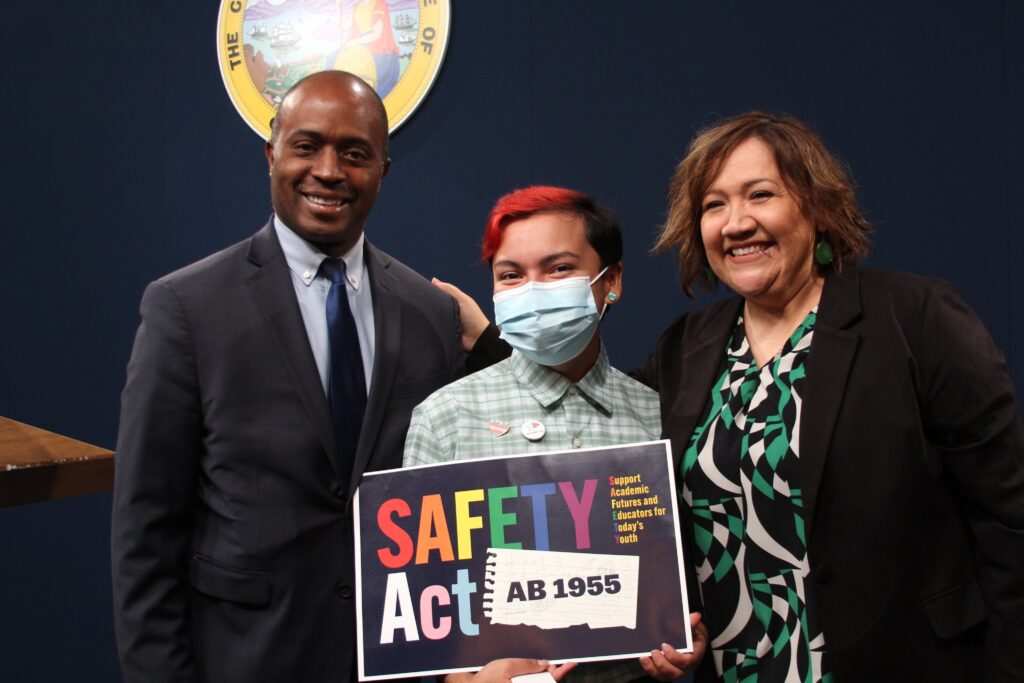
(467, 419)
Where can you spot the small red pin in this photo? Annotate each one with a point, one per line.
(498, 427)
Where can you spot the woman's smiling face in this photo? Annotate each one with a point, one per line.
(757, 239)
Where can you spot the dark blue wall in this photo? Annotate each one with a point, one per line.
(125, 159)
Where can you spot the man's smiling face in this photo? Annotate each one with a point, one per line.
(328, 157)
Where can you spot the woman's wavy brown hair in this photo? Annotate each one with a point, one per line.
(820, 182)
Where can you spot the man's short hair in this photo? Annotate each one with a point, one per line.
(602, 228)
(381, 109)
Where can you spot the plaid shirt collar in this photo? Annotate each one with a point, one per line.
(548, 387)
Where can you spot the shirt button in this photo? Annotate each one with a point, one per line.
(572, 391)
(576, 443)
(343, 590)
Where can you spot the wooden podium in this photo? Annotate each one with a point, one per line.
(37, 465)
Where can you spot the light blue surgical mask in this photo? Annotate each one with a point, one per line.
(549, 322)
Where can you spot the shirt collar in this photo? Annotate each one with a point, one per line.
(548, 387)
(304, 259)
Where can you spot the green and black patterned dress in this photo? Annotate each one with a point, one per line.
(741, 480)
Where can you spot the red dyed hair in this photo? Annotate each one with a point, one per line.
(522, 203)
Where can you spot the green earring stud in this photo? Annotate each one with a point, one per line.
(612, 296)
(823, 253)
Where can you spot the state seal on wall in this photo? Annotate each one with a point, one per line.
(265, 46)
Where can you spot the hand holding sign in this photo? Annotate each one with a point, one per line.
(518, 670)
(668, 663)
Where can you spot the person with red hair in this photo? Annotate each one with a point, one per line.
(554, 254)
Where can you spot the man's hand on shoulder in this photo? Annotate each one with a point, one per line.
(474, 320)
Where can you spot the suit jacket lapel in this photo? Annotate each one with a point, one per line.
(272, 288)
(387, 321)
(703, 344)
(828, 369)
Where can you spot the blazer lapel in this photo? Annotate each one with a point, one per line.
(828, 369)
(387, 321)
(703, 344)
(272, 288)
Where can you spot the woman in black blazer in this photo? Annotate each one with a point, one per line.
(848, 441)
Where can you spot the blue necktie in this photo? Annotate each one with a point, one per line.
(347, 384)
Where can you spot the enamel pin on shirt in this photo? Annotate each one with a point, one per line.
(498, 427)
(533, 430)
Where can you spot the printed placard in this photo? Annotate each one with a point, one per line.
(566, 556)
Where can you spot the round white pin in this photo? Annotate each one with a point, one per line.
(533, 430)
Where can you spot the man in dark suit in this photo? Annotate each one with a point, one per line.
(232, 541)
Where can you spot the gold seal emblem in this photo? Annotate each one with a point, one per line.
(265, 46)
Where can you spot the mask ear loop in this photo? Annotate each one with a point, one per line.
(596, 278)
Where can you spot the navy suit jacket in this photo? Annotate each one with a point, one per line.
(232, 542)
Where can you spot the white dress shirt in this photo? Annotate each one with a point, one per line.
(311, 289)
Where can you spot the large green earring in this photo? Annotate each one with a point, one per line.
(823, 253)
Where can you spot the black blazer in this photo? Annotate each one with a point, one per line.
(912, 466)
(232, 540)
